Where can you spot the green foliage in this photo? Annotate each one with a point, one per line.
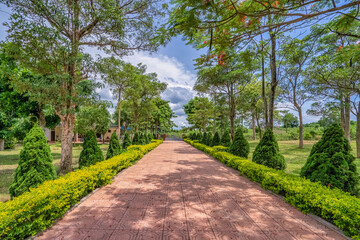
(35, 165)
(136, 139)
(334, 205)
(209, 139)
(240, 146)
(331, 163)
(226, 139)
(10, 141)
(91, 153)
(203, 139)
(267, 152)
(127, 141)
(114, 146)
(37, 210)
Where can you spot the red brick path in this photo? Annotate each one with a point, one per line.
(178, 192)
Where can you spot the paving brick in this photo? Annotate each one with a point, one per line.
(177, 192)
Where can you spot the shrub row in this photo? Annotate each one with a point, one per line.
(37, 210)
(334, 205)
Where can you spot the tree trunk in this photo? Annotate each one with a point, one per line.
(259, 126)
(67, 133)
(342, 112)
(119, 115)
(358, 133)
(347, 117)
(135, 117)
(214, 113)
(253, 126)
(301, 129)
(263, 93)
(2, 144)
(274, 81)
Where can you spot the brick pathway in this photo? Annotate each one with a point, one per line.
(177, 192)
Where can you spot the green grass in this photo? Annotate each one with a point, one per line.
(295, 157)
(9, 160)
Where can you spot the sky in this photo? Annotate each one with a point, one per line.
(173, 65)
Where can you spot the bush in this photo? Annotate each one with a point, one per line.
(331, 163)
(240, 146)
(209, 139)
(127, 141)
(220, 148)
(308, 136)
(267, 152)
(198, 136)
(225, 139)
(203, 139)
(334, 205)
(35, 164)
(114, 146)
(91, 152)
(136, 139)
(216, 139)
(38, 209)
(10, 142)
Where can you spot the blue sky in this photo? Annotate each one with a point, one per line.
(173, 64)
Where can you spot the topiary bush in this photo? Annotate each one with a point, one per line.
(91, 152)
(35, 164)
(225, 139)
(331, 162)
(203, 138)
(198, 136)
(240, 146)
(209, 139)
(127, 141)
(114, 146)
(267, 152)
(136, 139)
(216, 139)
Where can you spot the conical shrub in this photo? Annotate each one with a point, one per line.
(136, 139)
(331, 162)
(225, 139)
(35, 164)
(127, 141)
(91, 152)
(240, 146)
(114, 146)
(267, 152)
(209, 139)
(203, 138)
(216, 139)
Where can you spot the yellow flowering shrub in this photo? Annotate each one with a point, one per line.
(37, 209)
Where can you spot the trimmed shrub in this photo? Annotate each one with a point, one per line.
(198, 136)
(10, 142)
(220, 148)
(91, 152)
(127, 141)
(38, 209)
(267, 152)
(240, 146)
(334, 205)
(203, 138)
(35, 164)
(331, 162)
(114, 146)
(136, 139)
(209, 140)
(216, 139)
(225, 139)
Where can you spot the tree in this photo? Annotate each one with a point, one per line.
(162, 115)
(91, 152)
(267, 152)
(127, 141)
(225, 139)
(50, 37)
(114, 146)
(296, 89)
(216, 139)
(93, 117)
(331, 163)
(136, 139)
(240, 146)
(35, 164)
(117, 75)
(290, 120)
(209, 139)
(199, 111)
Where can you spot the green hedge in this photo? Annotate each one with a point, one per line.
(334, 205)
(37, 210)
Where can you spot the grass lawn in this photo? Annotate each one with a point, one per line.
(295, 158)
(9, 160)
